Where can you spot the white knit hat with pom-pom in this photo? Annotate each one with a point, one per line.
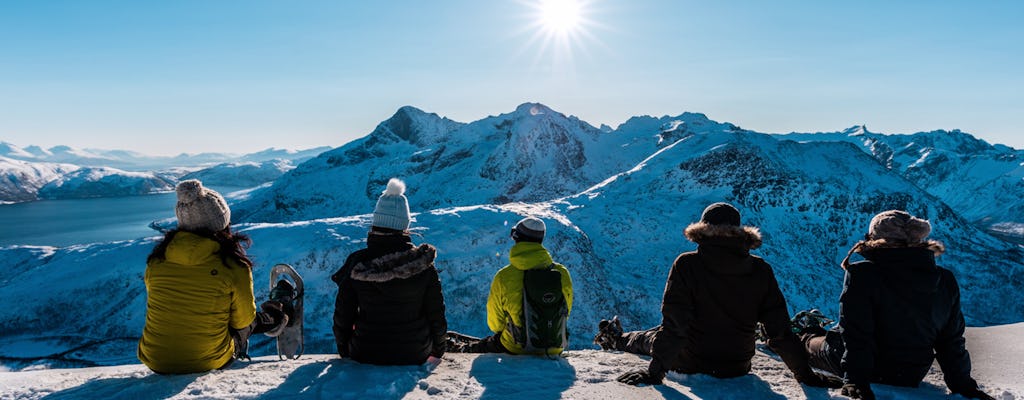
(392, 209)
(200, 208)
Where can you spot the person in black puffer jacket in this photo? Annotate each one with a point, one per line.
(898, 313)
(714, 298)
(390, 309)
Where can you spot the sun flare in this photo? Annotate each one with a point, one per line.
(560, 15)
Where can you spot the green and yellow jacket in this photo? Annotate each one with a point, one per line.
(506, 299)
(192, 300)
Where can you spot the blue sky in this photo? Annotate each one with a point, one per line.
(164, 77)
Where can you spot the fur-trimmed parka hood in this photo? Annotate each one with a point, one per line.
(746, 237)
(865, 247)
(398, 265)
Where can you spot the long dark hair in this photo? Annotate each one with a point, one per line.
(232, 246)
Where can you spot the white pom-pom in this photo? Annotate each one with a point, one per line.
(395, 187)
(189, 191)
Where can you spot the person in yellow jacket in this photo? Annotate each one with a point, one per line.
(199, 291)
(505, 302)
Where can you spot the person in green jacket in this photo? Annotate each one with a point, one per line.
(505, 301)
(200, 307)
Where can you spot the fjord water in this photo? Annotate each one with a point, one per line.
(75, 221)
(79, 221)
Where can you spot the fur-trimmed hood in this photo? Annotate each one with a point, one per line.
(934, 245)
(398, 265)
(867, 246)
(747, 237)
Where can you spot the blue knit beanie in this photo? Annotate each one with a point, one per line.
(392, 209)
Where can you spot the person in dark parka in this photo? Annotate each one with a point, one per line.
(898, 313)
(714, 298)
(390, 309)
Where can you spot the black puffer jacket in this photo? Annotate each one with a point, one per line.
(714, 298)
(898, 313)
(390, 310)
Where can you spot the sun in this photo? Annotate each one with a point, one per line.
(560, 16)
(559, 31)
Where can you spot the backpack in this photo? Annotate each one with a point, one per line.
(545, 311)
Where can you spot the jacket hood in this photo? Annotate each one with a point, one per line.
(529, 255)
(397, 265)
(865, 247)
(936, 247)
(187, 248)
(745, 237)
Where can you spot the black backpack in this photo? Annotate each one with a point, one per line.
(545, 311)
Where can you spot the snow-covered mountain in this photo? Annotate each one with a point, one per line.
(982, 182)
(134, 161)
(21, 180)
(531, 154)
(246, 174)
(109, 173)
(103, 182)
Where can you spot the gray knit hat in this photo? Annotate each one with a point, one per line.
(900, 226)
(529, 229)
(392, 209)
(200, 208)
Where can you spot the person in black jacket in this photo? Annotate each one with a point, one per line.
(898, 312)
(714, 298)
(390, 309)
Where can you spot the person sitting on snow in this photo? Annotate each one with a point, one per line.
(200, 307)
(714, 298)
(505, 303)
(390, 309)
(898, 313)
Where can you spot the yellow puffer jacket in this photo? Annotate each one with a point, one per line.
(192, 299)
(506, 298)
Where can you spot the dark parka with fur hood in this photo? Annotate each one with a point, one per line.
(390, 310)
(714, 298)
(898, 313)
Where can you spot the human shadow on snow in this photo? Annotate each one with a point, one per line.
(706, 387)
(347, 379)
(153, 386)
(506, 376)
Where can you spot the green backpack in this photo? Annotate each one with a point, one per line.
(545, 311)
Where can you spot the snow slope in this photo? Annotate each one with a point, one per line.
(580, 374)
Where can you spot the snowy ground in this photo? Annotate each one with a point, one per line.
(584, 374)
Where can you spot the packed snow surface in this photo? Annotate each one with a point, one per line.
(579, 374)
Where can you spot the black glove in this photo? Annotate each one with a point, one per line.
(640, 377)
(858, 391)
(975, 394)
(820, 380)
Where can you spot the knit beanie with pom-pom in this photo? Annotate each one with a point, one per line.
(392, 209)
(200, 208)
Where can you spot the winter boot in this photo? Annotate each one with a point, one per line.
(609, 334)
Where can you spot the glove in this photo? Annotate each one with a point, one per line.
(975, 394)
(815, 379)
(858, 391)
(640, 377)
